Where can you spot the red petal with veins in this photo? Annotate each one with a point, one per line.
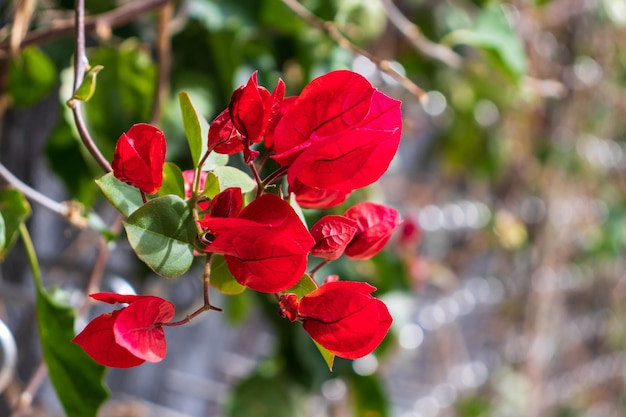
(137, 327)
(332, 234)
(344, 318)
(98, 341)
(376, 223)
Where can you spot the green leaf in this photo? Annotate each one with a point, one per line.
(86, 89)
(77, 379)
(32, 75)
(232, 177)
(14, 210)
(221, 278)
(161, 233)
(125, 198)
(196, 128)
(214, 160)
(211, 185)
(173, 182)
(329, 358)
(303, 287)
(493, 34)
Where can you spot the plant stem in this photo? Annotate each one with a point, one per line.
(80, 62)
(274, 176)
(207, 303)
(318, 267)
(260, 187)
(31, 193)
(31, 255)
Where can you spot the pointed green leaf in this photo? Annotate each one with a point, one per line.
(173, 182)
(86, 89)
(232, 177)
(14, 210)
(329, 358)
(161, 233)
(196, 128)
(211, 185)
(221, 278)
(303, 287)
(125, 198)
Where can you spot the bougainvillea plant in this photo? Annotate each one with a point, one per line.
(338, 135)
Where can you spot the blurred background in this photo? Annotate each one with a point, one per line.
(506, 280)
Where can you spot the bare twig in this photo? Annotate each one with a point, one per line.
(164, 49)
(80, 62)
(414, 35)
(331, 29)
(65, 27)
(25, 399)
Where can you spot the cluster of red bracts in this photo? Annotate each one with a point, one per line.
(338, 135)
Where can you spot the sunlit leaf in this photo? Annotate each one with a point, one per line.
(125, 198)
(173, 182)
(222, 279)
(161, 233)
(303, 287)
(88, 87)
(196, 128)
(232, 177)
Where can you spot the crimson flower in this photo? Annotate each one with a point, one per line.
(139, 157)
(317, 198)
(251, 110)
(342, 316)
(375, 224)
(332, 234)
(129, 336)
(340, 134)
(265, 246)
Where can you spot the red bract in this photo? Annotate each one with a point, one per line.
(265, 247)
(139, 157)
(344, 318)
(129, 336)
(376, 223)
(332, 234)
(340, 134)
(251, 110)
(228, 203)
(316, 198)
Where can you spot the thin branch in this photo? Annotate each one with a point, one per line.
(80, 62)
(31, 193)
(63, 28)
(164, 58)
(331, 29)
(25, 399)
(414, 35)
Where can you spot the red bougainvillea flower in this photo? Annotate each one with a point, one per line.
(376, 223)
(129, 336)
(227, 203)
(345, 318)
(332, 234)
(251, 110)
(139, 157)
(265, 246)
(339, 134)
(317, 198)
